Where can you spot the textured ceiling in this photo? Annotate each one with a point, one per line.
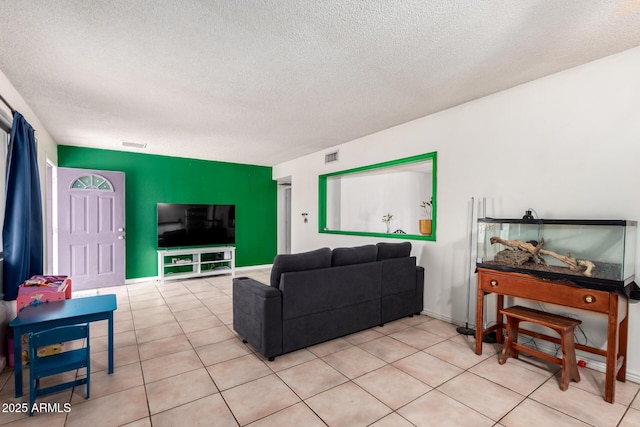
(262, 82)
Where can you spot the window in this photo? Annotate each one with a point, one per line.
(391, 199)
(92, 182)
(4, 145)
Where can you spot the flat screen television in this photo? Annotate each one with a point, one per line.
(185, 225)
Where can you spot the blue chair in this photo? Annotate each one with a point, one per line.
(45, 366)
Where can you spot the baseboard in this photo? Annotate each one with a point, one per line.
(140, 280)
(441, 317)
(547, 347)
(254, 267)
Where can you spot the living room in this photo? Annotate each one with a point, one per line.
(564, 144)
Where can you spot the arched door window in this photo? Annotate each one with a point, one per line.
(92, 182)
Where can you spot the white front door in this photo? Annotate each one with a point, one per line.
(90, 227)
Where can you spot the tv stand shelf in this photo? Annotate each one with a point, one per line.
(196, 262)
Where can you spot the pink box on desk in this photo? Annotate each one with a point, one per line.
(52, 291)
(56, 280)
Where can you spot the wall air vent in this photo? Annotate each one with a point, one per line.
(133, 144)
(331, 157)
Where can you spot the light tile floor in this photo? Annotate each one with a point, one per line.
(179, 363)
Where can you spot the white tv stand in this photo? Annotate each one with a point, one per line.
(196, 262)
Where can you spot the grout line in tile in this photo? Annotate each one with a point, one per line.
(223, 290)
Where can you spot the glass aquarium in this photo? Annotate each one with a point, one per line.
(582, 251)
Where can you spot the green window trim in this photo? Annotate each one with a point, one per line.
(322, 197)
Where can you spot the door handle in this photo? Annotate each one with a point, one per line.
(120, 229)
(120, 237)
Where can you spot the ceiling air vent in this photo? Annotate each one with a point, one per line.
(331, 157)
(133, 144)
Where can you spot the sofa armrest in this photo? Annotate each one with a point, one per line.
(257, 315)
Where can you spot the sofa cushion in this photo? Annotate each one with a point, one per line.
(305, 293)
(356, 255)
(393, 250)
(319, 258)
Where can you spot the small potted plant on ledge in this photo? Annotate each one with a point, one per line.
(426, 222)
(387, 220)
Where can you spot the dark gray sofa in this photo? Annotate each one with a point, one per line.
(323, 294)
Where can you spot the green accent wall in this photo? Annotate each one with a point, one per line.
(151, 179)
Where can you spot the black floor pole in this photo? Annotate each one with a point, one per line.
(465, 330)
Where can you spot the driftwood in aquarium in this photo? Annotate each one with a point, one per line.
(511, 257)
(578, 265)
(529, 248)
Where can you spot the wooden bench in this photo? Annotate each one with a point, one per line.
(564, 326)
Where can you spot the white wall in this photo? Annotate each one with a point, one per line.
(567, 145)
(358, 202)
(47, 149)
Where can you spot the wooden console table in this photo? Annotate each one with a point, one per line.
(566, 294)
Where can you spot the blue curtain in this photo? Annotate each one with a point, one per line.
(22, 231)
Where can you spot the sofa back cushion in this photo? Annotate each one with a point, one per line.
(398, 275)
(307, 293)
(393, 250)
(319, 258)
(356, 255)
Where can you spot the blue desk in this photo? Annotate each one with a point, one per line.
(59, 313)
